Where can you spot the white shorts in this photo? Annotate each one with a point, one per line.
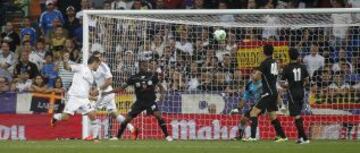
(107, 102)
(77, 104)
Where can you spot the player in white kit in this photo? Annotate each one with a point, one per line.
(79, 93)
(103, 79)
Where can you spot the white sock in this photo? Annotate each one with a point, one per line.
(120, 118)
(129, 126)
(95, 127)
(58, 116)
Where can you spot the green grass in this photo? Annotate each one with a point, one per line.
(76, 146)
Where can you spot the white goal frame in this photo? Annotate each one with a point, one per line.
(87, 13)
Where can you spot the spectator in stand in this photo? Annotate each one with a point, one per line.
(159, 4)
(64, 4)
(219, 81)
(167, 57)
(71, 48)
(228, 65)
(193, 77)
(6, 74)
(65, 75)
(337, 67)
(107, 5)
(38, 85)
(7, 58)
(11, 36)
(85, 5)
(251, 4)
(119, 5)
(22, 82)
(76, 56)
(58, 42)
(341, 54)
(4, 85)
(47, 18)
(24, 66)
(28, 31)
(71, 22)
(38, 55)
(314, 61)
(221, 50)
(198, 4)
(351, 77)
(231, 42)
(199, 51)
(140, 5)
(173, 4)
(338, 89)
(184, 45)
(78, 34)
(26, 47)
(177, 82)
(206, 81)
(323, 83)
(205, 37)
(239, 79)
(49, 70)
(58, 87)
(157, 45)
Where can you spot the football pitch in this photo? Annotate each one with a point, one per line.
(156, 146)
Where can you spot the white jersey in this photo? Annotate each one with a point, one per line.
(101, 74)
(82, 81)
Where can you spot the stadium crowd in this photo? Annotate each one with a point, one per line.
(188, 60)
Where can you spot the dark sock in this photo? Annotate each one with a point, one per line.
(241, 133)
(254, 124)
(278, 128)
(162, 125)
(300, 128)
(122, 129)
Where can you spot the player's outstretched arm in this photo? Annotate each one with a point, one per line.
(116, 90)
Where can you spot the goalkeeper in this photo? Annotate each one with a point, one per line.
(250, 96)
(145, 84)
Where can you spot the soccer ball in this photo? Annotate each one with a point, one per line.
(220, 35)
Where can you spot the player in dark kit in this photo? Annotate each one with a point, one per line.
(145, 84)
(296, 76)
(268, 71)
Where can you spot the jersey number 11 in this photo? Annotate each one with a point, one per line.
(297, 74)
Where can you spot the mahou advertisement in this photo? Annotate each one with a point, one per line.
(180, 126)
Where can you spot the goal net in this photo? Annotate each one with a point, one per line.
(205, 77)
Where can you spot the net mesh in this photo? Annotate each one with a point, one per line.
(205, 78)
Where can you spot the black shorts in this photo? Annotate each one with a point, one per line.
(295, 106)
(268, 103)
(138, 107)
(247, 113)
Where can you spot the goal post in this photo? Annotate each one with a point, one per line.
(205, 78)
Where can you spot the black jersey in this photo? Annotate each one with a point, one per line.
(144, 84)
(269, 70)
(295, 74)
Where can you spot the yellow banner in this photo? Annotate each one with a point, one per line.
(124, 102)
(252, 57)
